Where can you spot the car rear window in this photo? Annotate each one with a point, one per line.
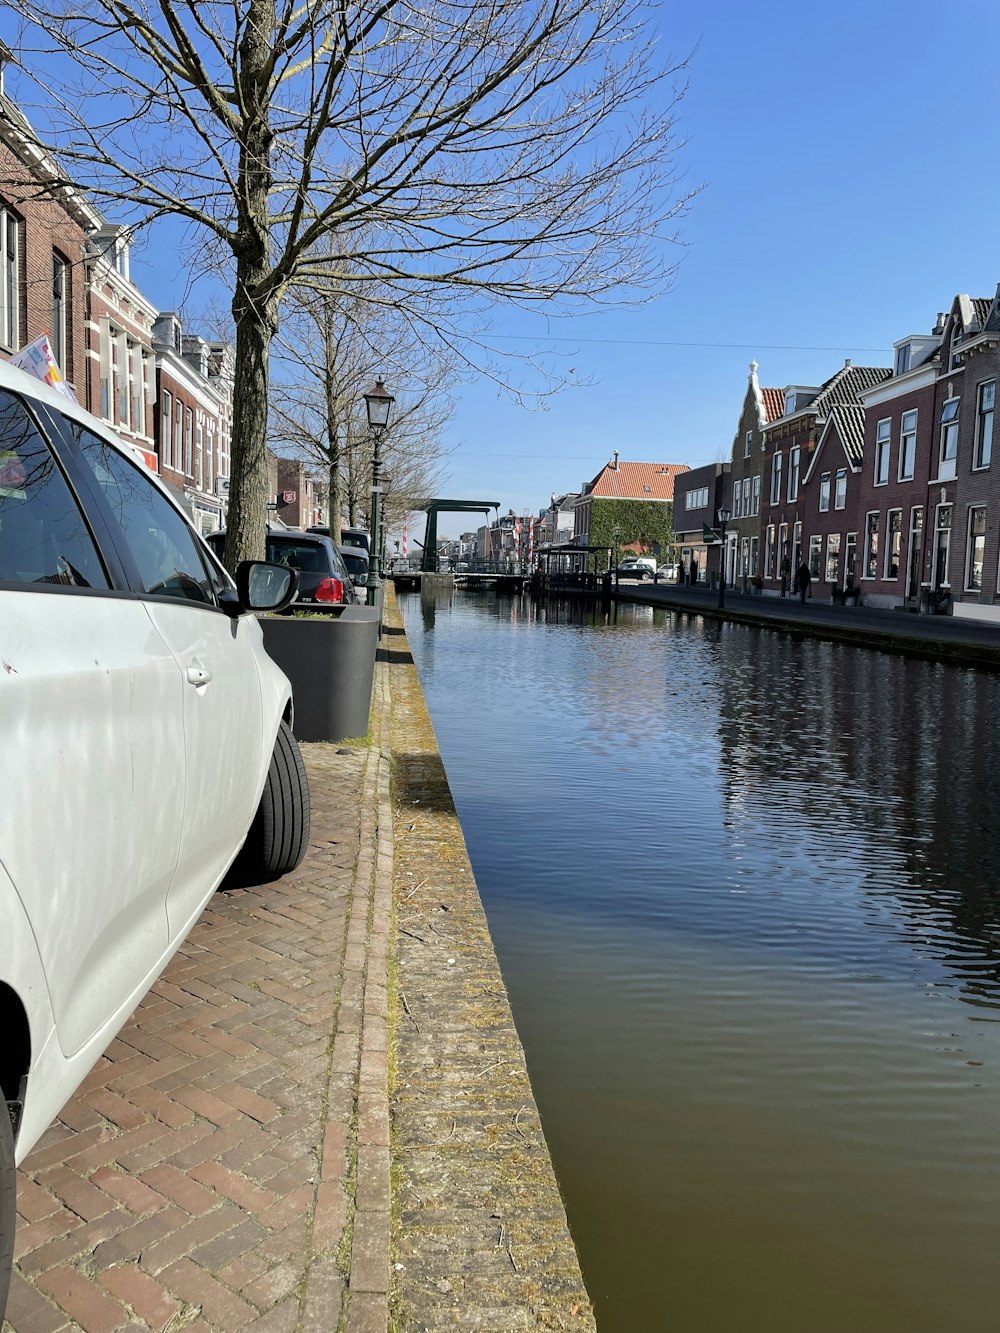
(309, 557)
(43, 537)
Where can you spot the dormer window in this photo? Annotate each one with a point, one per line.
(955, 363)
(903, 358)
(789, 402)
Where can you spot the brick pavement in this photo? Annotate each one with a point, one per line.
(226, 1164)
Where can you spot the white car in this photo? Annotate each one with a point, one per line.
(144, 740)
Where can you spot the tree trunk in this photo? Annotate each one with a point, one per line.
(255, 300)
(246, 522)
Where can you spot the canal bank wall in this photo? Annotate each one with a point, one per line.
(480, 1239)
(959, 641)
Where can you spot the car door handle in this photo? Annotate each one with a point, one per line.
(198, 675)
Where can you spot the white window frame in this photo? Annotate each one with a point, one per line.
(840, 491)
(824, 493)
(892, 538)
(815, 555)
(870, 550)
(984, 424)
(950, 417)
(167, 429)
(907, 445)
(832, 550)
(776, 465)
(794, 454)
(10, 279)
(748, 444)
(883, 450)
(970, 538)
(769, 539)
(755, 496)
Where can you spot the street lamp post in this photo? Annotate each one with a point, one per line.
(378, 403)
(724, 517)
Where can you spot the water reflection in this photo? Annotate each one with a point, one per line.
(741, 888)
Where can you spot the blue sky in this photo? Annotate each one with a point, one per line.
(849, 161)
(851, 189)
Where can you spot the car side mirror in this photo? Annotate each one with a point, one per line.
(262, 586)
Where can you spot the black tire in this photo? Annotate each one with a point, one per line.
(279, 833)
(8, 1207)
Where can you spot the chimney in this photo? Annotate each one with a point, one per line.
(939, 326)
(615, 463)
(847, 362)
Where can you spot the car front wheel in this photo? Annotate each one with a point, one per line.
(8, 1186)
(279, 833)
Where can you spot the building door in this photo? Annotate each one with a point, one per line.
(914, 558)
(942, 546)
(850, 559)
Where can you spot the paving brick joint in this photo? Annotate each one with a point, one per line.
(233, 1161)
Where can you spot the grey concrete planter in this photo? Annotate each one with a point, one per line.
(331, 664)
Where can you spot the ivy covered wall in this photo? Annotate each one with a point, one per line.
(642, 522)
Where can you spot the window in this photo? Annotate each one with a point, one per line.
(754, 550)
(824, 493)
(984, 423)
(696, 499)
(850, 558)
(942, 547)
(871, 547)
(746, 497)
(840, 490)
(160, 542)
(747, 444)
(893, 543)
(815, 550)
(10, 286)
(907, 445)
(60, 313)
(832, 557)
(737, 501)
(138, 390)
(755, 496)
(121, 352)
(883, 443)
(776, 479)
(209, 460)
(178, 435)
(188, 443)
(769, 552)
(975, 549)
(793, 472)
(902, 359)
(43, 537)
(949, 440)
(199, 449)
(955, 362)
(166, 430)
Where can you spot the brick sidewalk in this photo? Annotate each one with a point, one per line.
(225, 1166)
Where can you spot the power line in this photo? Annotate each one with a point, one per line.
(658, 342)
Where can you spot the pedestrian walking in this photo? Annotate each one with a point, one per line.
(805, 579)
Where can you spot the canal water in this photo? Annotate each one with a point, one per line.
(743, 887)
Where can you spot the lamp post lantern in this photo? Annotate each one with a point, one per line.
(724, 517)
(378, 403)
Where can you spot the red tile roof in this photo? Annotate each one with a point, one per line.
(638, 481)
(774, 404)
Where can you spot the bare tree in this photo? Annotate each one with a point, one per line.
(327, 355)
(512, 149)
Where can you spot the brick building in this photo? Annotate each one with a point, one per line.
(761, 406)
(193, 419)
(789, 442)
(42, 242)
(300, 500)
(698, 495)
